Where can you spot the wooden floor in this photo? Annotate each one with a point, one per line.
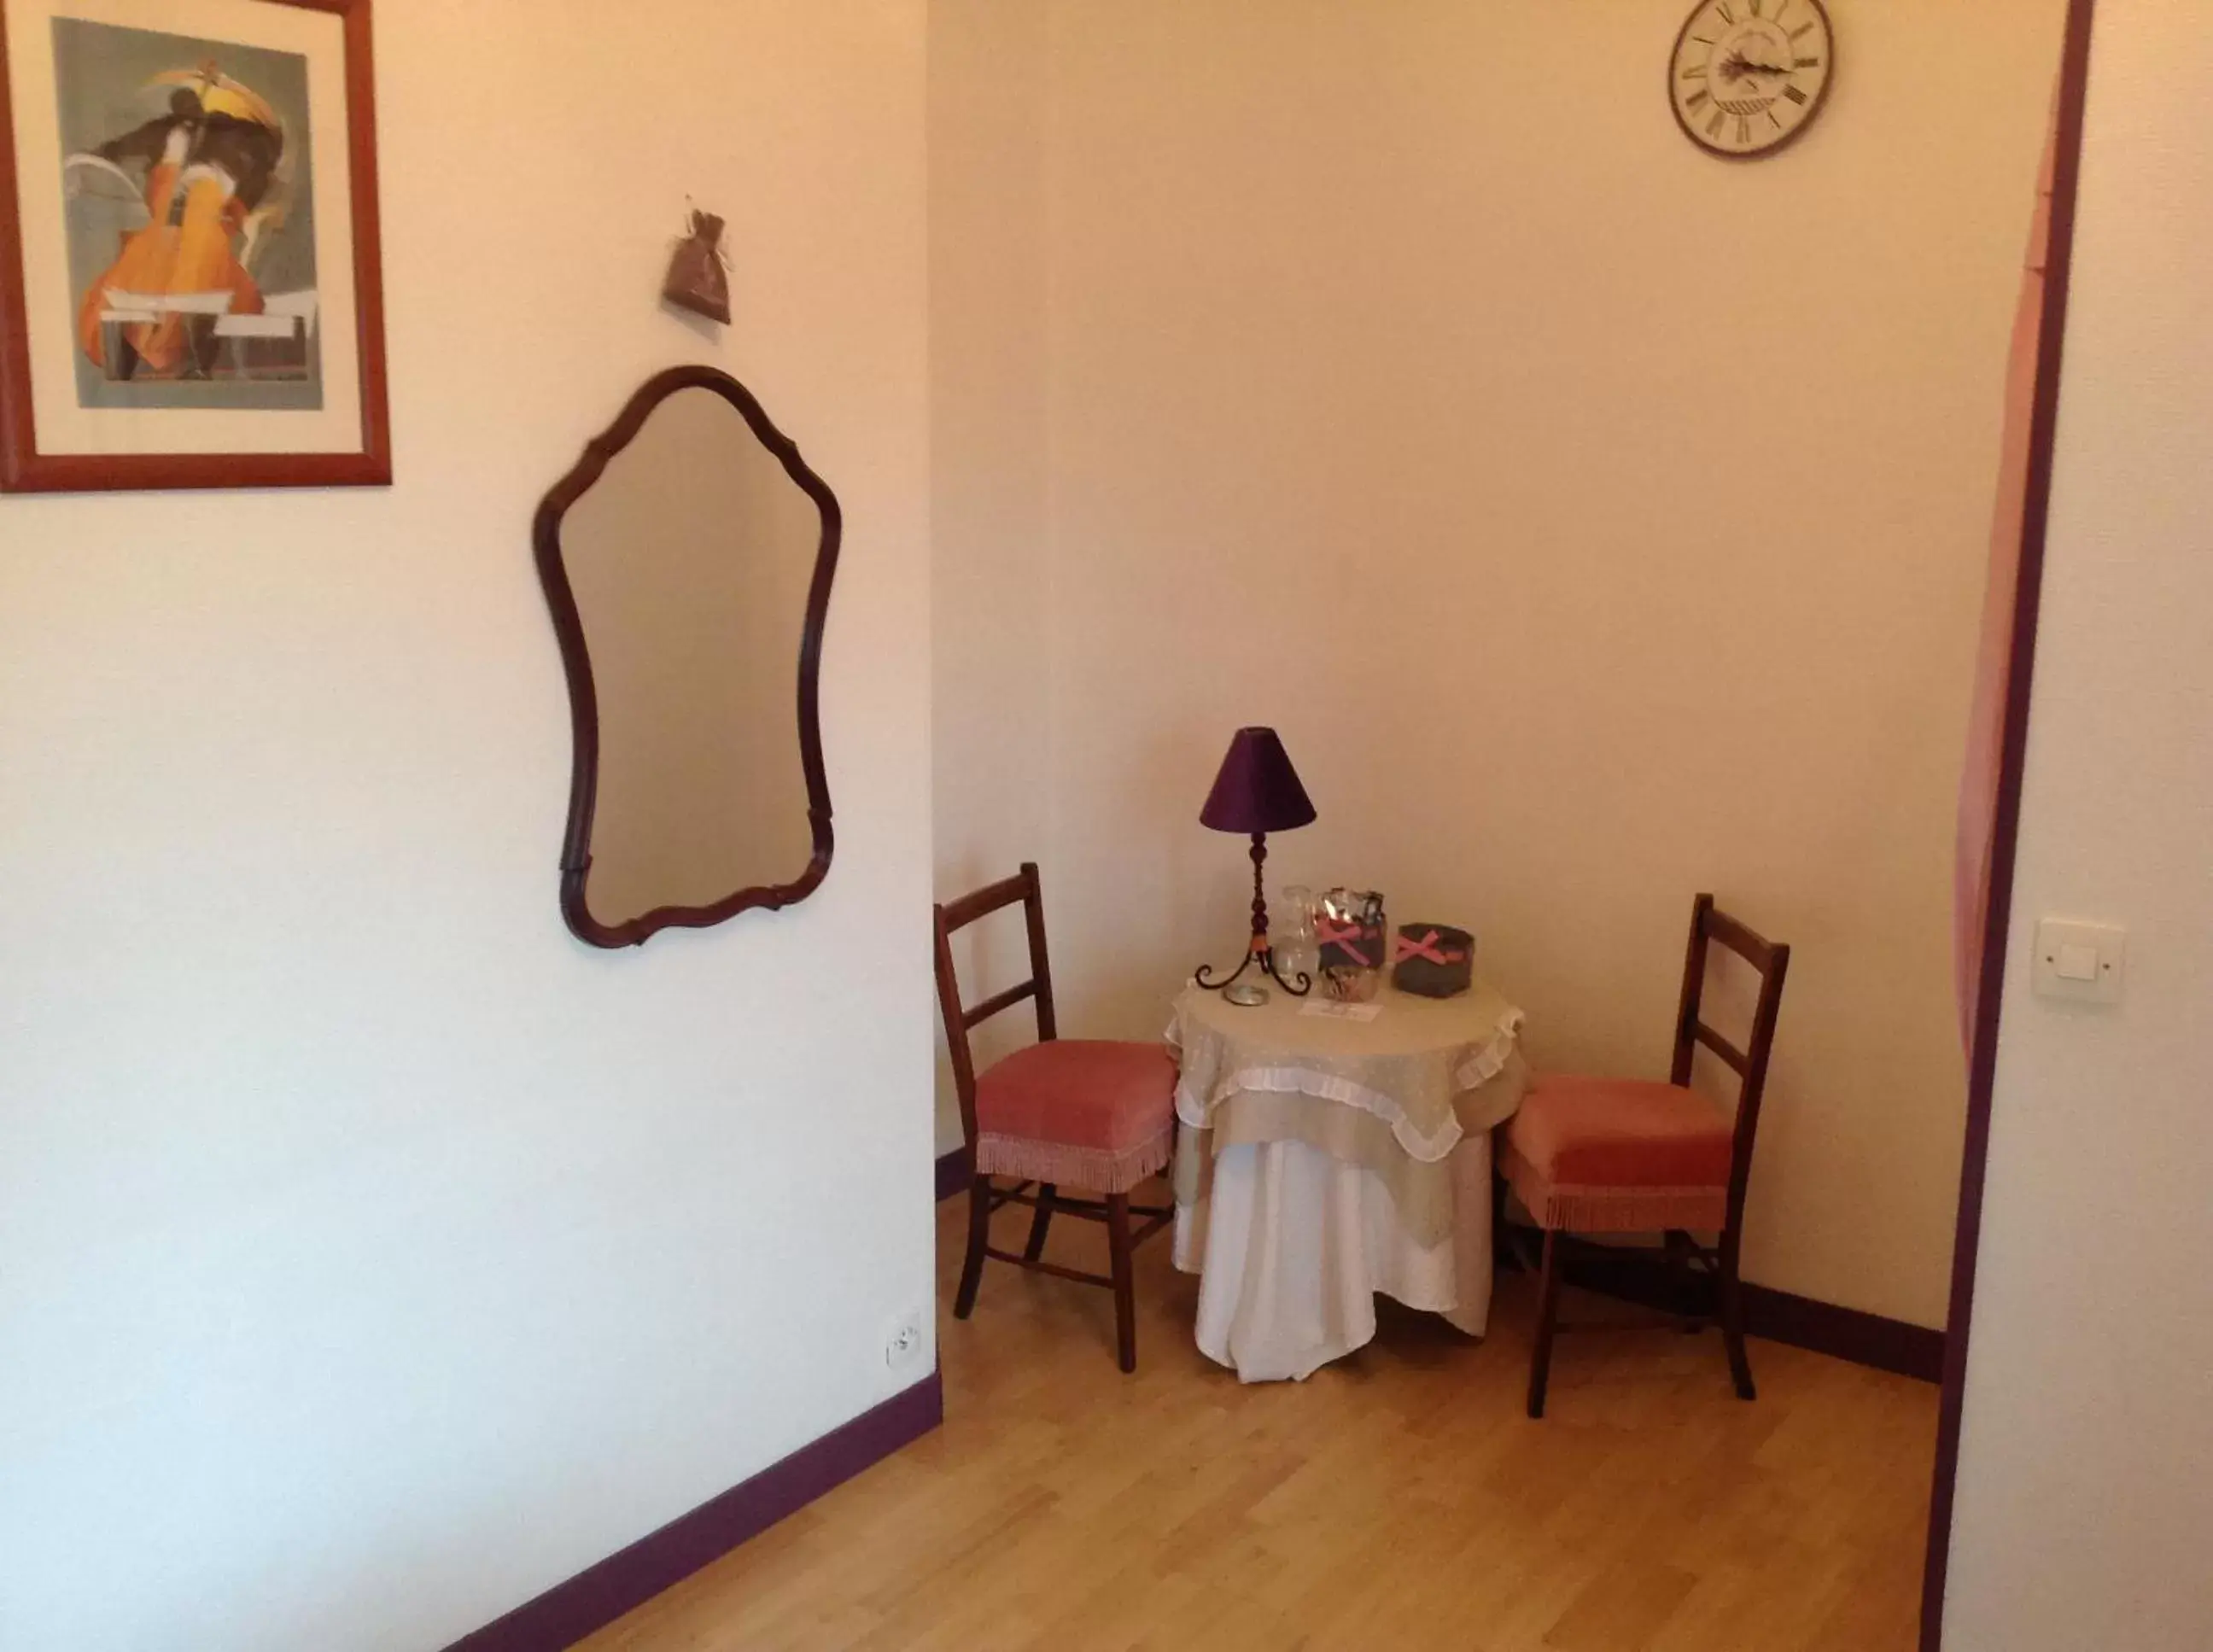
(1398, 1499)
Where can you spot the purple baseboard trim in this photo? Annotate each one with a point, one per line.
(598, 1595)
(952, 1174)
(1845, 1333)
(1912, 1350)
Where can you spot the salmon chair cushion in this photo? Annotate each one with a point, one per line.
(1078, 1113)
(1618, 1155)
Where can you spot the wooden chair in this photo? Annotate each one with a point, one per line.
(1628, 1156)
(1084, 1114)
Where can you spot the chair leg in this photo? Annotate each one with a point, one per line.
(1125, 1297)
(1548, 1307)
(1732, 1295)
(1040, 1223)
(979, 1234)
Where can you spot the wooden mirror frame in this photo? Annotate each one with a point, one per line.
(583, 697)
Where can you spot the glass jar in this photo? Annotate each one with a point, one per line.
(1349, 932)
(1292, 936)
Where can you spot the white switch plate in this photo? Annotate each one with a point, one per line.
(2083, 961)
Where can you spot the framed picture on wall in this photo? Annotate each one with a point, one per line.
(189, 293)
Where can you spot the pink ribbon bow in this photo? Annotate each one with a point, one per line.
(1347, 935)
(1428, 947)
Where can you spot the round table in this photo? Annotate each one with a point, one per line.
(1327, 1154)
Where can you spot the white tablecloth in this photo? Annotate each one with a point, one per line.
(1294, 1245)
(1324, 1160)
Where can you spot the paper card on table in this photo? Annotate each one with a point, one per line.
(1328, 1010)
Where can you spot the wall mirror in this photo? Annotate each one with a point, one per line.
(687, 559)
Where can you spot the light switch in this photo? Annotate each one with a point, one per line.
(2081, 961)
(2077, 963)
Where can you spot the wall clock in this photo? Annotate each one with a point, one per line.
(1748, 76)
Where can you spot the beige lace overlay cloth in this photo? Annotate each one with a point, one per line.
(1394, 1094)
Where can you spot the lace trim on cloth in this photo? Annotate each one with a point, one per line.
(1093, 1169)
(1611, 1210)
(1483, 1066)
(1479, 1067)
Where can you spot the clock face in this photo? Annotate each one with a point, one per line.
(1748, 76)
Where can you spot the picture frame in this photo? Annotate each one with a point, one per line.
(190, 286)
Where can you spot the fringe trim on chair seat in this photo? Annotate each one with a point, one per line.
(1571, 1209)
(1089, 1168)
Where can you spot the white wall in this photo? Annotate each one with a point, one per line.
(1598, 521)
(991, 675)
(2086, 1468)
(373, 1254)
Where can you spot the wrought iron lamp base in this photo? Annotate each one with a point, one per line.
(1257, 954)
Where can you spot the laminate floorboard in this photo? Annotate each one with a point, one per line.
(1397, 1499)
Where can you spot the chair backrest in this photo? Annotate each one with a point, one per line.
(1709, 925)
(953, 916)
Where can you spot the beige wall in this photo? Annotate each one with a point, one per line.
(988, 482)
(372, 1253)
(1598, 521)
(2086, 1467)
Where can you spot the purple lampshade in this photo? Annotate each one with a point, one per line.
(1258, 789)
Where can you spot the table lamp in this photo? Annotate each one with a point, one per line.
(1258, 791)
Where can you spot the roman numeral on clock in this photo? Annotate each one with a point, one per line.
(1698, 100)
(1794, 94)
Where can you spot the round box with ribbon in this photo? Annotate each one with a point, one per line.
(1434, 960)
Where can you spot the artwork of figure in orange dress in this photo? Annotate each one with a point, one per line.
(203, 169)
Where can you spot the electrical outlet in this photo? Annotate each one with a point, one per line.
(904, 1344)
